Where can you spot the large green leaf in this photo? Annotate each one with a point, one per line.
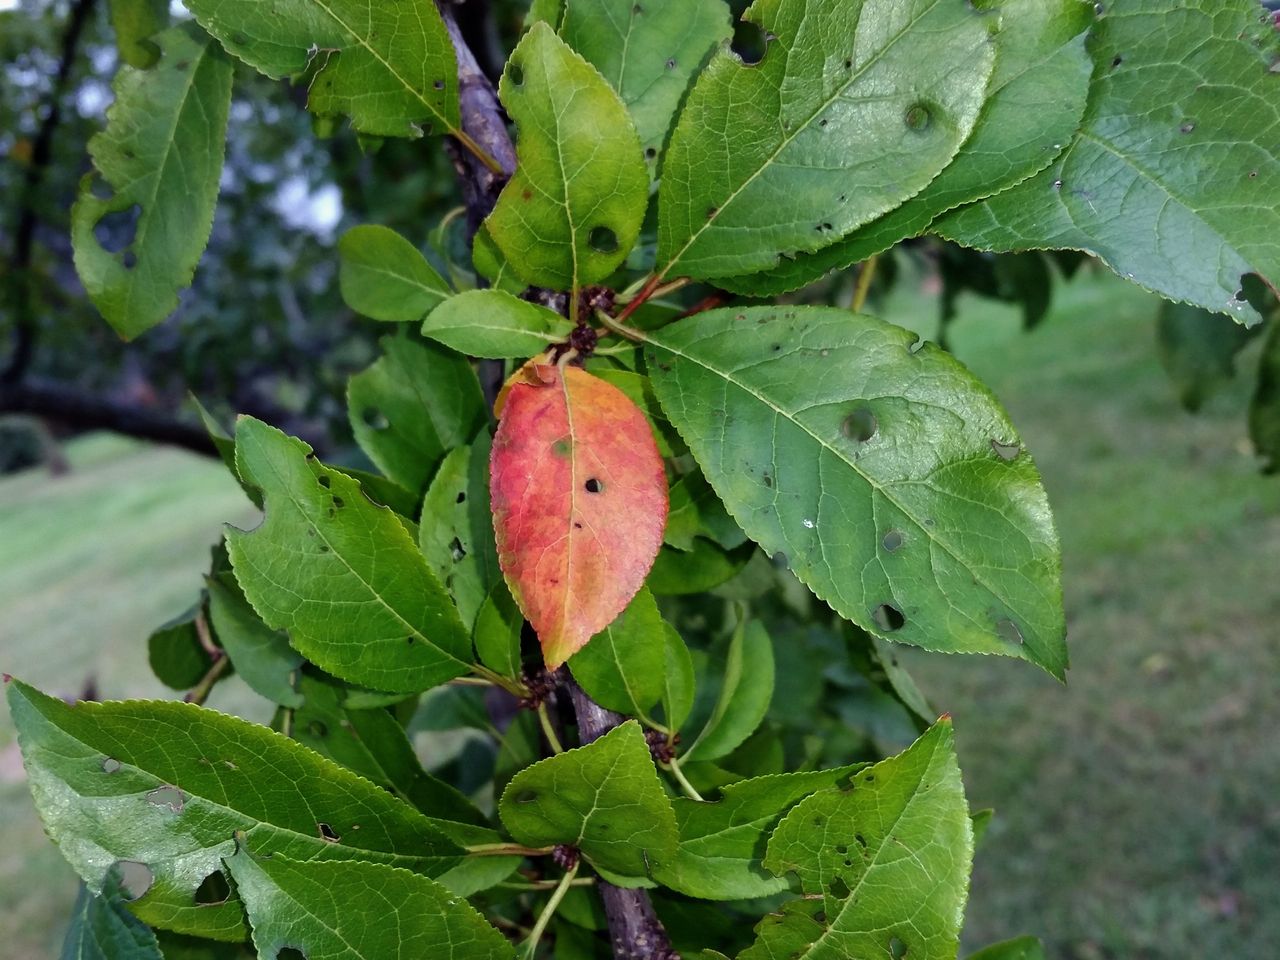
(604, 798)
(573, 210)
(391, 68)
(102, 928)
(163, 786)
(384, 276)
(1036, 98)
(856, 106)
(161, 156)
(1173, 176)
(414, 404)
(887, 476)
(623, 667)
(493, 323)
(890, 856)
(341, 573)
(357, 911)
(262, 656)
(722, 844)
(745, 693)
(648, 51)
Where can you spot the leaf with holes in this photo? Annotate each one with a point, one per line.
(573, 210)
(163, 786)
(496, 324)
(413, 405)
(857, 105)
(745, 693)
(262, 656)
(102, 928)
(1179, 90)
(887, 475)
(1036, 98)
(579, 503)
(384, 276)
(356, 911)
(623, 667)
(648, 51)
(390, 68)
(341, 573)
(161, 156)
(889, 855)
(604, 798)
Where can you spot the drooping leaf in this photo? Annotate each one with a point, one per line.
(456, 530)
(1132, 187)
(573, 210)
(135, 22)
(604, 798)
(623, 667)
(1264, 408)
(494, 323)
(384, 276)
(912, 455)
(696, 511)
(890, 856)
(1198, 350)
(497, 631)
(1020, 948)
(341, 573)
(855, 107)
(161, 158)
(722, 843)
(1035, 100)
(357, 911)
(679, 684)
(413, 405)
(262, 656)
(391, 69)
(648, 52)
(102, 928)
(175, 653)
(744, 697)
(704, 566)
(163, 786)
(579, 503)
(226, 447)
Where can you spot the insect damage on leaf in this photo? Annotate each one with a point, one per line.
(579, 502)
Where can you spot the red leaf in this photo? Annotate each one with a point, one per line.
(579, 502)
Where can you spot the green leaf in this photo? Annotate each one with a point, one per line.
(262, 656)
(103, 929)
(1132, 187)
(390, 68)
(163, 786)
(135, 22)
(226, 447)
(456, 530)
(384, 276)
(648, 52)
(497, 631)
(1264, 408)
(413, 405)
(1198, 350)
(745, 693)
(573, 210)
(341, 573)
(623, 667)
(678, 683)
(696, 511)
(161, 156)
(175, 653)
(981, 821)
(855, 107)
(604, 798)
(1020, 948)
(890, 854)
(706, 565)
(357, 911)
(868, 463)
(722, 844)
(495, 324)
(1035, 101)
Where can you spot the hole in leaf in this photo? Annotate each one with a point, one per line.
(290, 953)
(671, 63)
(893, 540)
(897, 949)
(327, 832)
(526, 796)
(1005, 451)
(129, 260)
(862, 841)
(461, 497)
(213, 890)
(100, 189)
(839, 889)
(1187, 127)
(438, 84)
(110, 765)
(457, 550)
(749, 42)
(170, 797)
(1009, 631)
(374, 418)
(888, 617)
(116, 230)
(650, 153)
(603, 240)
(339, 502)
(516, 72)
(323, 480)
(593, 485)
(918, 117)
(135, 878)
(318, 728)
(860, 425)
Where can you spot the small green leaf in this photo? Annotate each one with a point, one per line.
(103, 929)
(573, 210)
(981, 821)
(175, 653)
(341, 573)
(1020, 948)
(163, 786)
(262, 656)
(161, 156)
(856, 106)
(706, 565)
(623, 667)
(392, 70)
(912, 454)
(226, 447)
(495, 324)
(497, 631)
(648, 52)
(1264, 409)
(413, 405)
(697, 511)
(678, 683)
(604, 798)
(135, 22)
(745, 693)
(384, 276)
(357, 911)
(1198, 350)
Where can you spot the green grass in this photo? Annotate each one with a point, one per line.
(1138, 807)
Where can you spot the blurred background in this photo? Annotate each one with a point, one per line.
(1137, 808)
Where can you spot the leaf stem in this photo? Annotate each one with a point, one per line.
(620, 329)
(506, 850)
(546, 884)
(548, 730)
(484, 675)
(865, 276)
(685, 785)
(643, 294)
(200, 692)
(478, 152)
(549, 910)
